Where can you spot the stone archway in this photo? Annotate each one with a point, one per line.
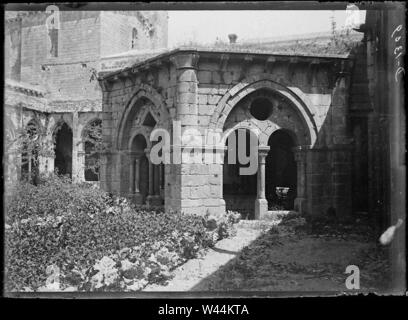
(239, 190)
(63, 150)
(285, 114)
(299, 102)
(141, 96)
(139, 182)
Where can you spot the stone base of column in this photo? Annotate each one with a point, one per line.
(300, 205)
(222, 205)
(261, 208)
(137, 198)
(154, 201)
(218, 211)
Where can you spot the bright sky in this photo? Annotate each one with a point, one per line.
(206, 26)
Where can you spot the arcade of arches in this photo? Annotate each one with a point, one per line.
(63, 150)
(146, 184)
(273, 186)
(36, 159)
(141, 180)
(295, 106)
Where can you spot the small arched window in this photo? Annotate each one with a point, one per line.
(134, 38)
(52, 24)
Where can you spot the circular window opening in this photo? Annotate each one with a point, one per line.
(261, 108)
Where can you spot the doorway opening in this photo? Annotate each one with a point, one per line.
(63, 150)
(281, 172)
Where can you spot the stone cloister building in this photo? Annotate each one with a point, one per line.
(301, 98)
(311, 103)
(51, 78)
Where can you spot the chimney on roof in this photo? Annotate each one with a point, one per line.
(232, 38)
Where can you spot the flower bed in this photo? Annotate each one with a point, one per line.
(64, 236)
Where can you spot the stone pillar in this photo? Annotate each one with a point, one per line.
(156, 169)
(261, 204)
(151, 178)
(301, 197)
(135, 176)
(220, 158)
(185, 110)
(30, 176)
(187, 87)
(81, 166)
(341, 181)
(162, 180)
(105, 181)
(76, 140)
(131, 175)
(153, 199)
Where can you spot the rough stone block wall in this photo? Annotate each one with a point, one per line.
(68, 81)
(117, 26)
(68, 75)
(12, 50)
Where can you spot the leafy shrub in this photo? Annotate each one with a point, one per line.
(54, 196)
(96, 240)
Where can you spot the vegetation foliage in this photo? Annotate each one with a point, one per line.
(65, 236)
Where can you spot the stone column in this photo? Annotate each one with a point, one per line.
(138, 197)
(220, 158)
(137, 175)
(131, 175)
(187, 87)
(156, 169)
(76, 140)
(29, 169)
(341, 180)
(153, 199)
(81, 166)
(151, 178)
(300, 157)
(184, 110)
(261, 204)
(161, 180)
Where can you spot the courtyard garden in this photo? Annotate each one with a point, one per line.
(67, 237)
(61, 236)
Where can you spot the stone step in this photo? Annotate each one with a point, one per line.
(271, 218)
(256, 224)
(278, 214)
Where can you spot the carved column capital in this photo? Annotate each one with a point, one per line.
(262, 153)
(185, 60)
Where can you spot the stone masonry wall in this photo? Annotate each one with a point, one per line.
(199, 89)
(68, 75)
(117, 26)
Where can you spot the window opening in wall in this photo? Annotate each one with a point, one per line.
(63, 150)
(261, 108)
(53, 34)
(134, 38)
